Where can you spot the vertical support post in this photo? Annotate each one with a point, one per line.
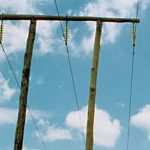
(92, 95)
(24, 87)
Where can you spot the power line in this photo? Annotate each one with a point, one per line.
(9, 63)
(59, 16)
(29, 110)
(137, 10)
(71, 72)
(130, 101)
(132, 75)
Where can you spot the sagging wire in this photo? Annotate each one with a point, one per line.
(71, 72)
(131, 85)
(132, 73)
(15, 77)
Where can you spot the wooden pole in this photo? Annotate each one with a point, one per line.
(69, 18)
(92, 95)
(24, 87)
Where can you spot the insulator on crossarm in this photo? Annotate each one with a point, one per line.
(66, 33)
(133, 35)
(1, 28)
(1, 32)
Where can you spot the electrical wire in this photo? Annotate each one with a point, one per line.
(132, 76)
(137, 10)
(29, 110)
(71, 72)
(62, 29)
(130, 101)
(10, 65)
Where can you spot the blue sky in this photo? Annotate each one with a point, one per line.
(51, 97)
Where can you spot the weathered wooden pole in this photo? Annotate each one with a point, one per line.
(69, 18)
(24, 87)
(92, 95)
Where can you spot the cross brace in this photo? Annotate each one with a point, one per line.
(69, 18)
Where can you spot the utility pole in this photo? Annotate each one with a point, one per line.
(27, 64)
(24, 87)
(92, 95)
(94, 71)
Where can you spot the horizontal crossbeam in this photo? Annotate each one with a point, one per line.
(69, 18)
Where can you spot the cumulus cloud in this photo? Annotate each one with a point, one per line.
(15, 33)
(11, 6)
(108, 8)
(55, 133)
(142, 119)
(24, 6)
(106, 129)
(52, 133)
(26, 148)
(9, 115)
(46, 33)
(6, 92)
(15, 37)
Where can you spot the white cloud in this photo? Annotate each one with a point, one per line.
(53, 133)
(15, 36)
(38, 114)
(26, 148)
(9, 115)
(24, 6)
(6, 92)
(88, 42)
(142, 119)
(15, 33)
(145, 4)
(106, 129)
(108, 8)
(46, 33)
